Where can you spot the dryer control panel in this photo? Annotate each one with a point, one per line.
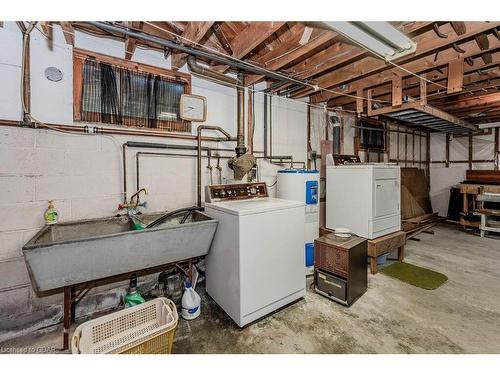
(217, 193)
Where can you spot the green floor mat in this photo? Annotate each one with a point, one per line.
(414, 275)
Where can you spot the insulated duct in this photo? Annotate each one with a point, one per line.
(210, 74)
(243, 162)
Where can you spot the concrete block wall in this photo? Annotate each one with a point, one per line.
(444, 178)
(83, 173)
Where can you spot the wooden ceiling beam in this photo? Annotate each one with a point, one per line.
(297, 52)
(462, 97)
(478, 86)
(47, 31)
(474, 111)
(427, 45)
(249, 38)
(219, 33)
(68, 32)
(341, 53)
(194, 32)
(130, 43)
(472, 74)
(416, 66)
(478, 101)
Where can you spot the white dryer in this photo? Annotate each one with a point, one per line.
(256, 262)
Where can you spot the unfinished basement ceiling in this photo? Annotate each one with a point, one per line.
(339, 68)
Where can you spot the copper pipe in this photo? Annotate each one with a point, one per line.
(250, 129)
(109, 131)
(240, 136)
(198, 174)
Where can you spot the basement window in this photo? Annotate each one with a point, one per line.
(119, 92)
(371, 134)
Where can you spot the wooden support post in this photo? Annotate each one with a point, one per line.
(420, 150)
(455, 75)
(470, 152)
(397, 143)
(423, 89)
(497, 147)
(413, 148)
(359, 101)
(406, 149)
(447, 150)
(397, 92)
(428, 159)
(369, 102)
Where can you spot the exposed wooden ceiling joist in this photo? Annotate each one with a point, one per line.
(416, 66)
(250, 37)
(341, 53)
(427, 44)
(293, 54)
(130, 43)
(48, 32)
(411, 84)
(219, 33)
(69, 32)
(194, 32)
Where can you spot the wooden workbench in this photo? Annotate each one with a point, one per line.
(473, 189)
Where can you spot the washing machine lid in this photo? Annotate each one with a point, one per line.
(253, 206)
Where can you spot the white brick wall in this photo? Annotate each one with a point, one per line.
(82, 174)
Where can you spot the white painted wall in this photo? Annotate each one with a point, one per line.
(443, 178)
(82, 173)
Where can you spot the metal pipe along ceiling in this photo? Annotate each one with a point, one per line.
(204, 72)
(193, 51)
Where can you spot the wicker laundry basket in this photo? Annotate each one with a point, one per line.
(147, 328)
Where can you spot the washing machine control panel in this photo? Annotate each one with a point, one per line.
(217, 193)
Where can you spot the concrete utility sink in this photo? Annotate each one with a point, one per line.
(75, 252)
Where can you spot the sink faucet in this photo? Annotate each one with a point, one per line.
(134, 202)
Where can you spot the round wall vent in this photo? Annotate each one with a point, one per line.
(53, 74)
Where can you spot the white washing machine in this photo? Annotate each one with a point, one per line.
(256, 262)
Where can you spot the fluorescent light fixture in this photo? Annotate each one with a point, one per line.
(379, 37)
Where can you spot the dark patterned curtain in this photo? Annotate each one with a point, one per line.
(114, 95)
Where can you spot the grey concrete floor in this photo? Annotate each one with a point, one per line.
(461, 316)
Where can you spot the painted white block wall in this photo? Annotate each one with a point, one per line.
(442, 178)
(82, 173)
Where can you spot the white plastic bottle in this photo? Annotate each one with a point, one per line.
(190, 303)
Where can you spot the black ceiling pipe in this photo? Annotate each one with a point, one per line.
(239, 65)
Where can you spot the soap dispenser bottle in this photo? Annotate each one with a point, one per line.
(51, 214)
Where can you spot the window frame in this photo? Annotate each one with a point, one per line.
(79, 57)
(372, 123)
